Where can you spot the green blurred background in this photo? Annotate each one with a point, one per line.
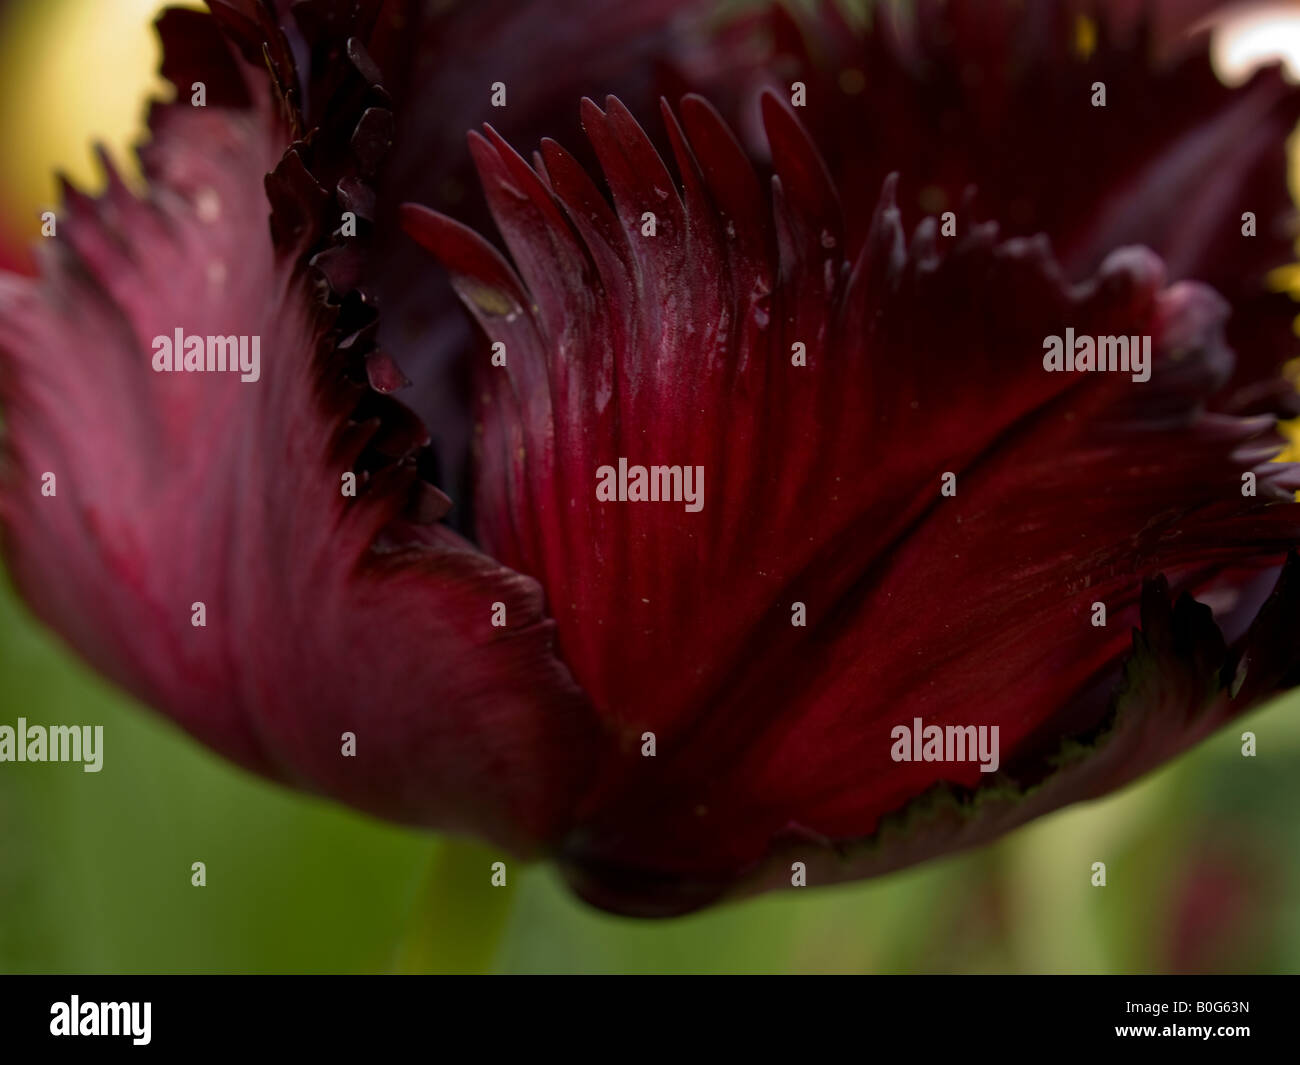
(1203, 858)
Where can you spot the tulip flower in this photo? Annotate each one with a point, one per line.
(764, 540)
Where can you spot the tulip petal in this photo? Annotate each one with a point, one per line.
(1181, 683)
(994, 109)
(324, 614)
(679, 345)
(519, 66)
(436, 70)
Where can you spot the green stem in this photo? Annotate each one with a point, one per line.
(458, 918)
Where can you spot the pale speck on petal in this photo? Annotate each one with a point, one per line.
(207, 204)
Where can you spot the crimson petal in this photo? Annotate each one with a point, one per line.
(823, 488)
(441, 65)
(325, 614)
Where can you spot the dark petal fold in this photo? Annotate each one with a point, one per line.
(325, 613)
(822, 488)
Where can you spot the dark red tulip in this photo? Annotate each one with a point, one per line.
(902, 516)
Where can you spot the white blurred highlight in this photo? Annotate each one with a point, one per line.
(1254, 36)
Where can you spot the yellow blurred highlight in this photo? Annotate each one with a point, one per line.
(73, 72)
(1085, 37)
(1287, 279)
(1259, 35)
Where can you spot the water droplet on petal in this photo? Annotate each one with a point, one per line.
(207, 205)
